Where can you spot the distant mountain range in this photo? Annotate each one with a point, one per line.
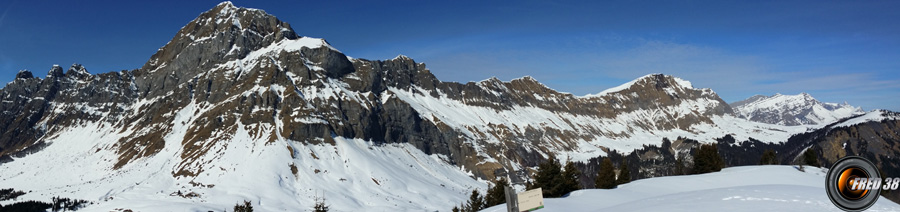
(238, 106)
(791, 110)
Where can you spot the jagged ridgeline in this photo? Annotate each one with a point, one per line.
(238, 86)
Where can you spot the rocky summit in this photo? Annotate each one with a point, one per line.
(238, 106)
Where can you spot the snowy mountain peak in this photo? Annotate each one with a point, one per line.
(401, 57)
(526, 77)
(528, 80)
(660, 80)
(233, 38)
(236, 31)
(790, 110)
(225, 4)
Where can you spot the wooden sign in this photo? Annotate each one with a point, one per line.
(531, 200)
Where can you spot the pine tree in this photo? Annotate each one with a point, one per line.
(547, 177)
(455, 209)
(320, 205)
(811, 158)
(569, 180)
(476, 201)
(497, 195)
(247, 207)
(707, 159)
(555, 181)
(624, 174)
(679, 166)
(606, 177)
(768, 158)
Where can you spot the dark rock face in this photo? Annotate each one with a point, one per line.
(24, 74)
(78, 72)
(35, 106)
(56, 71)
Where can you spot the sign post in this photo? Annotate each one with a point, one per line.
(511, 200)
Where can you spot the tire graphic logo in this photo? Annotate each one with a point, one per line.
(846, 184)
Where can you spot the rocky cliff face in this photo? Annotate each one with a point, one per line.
(792, 110)
(33, 107)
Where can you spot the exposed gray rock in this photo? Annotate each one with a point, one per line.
(35, 106)
(24, 74)
(56, 71)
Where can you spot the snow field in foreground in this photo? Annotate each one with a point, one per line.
(746, 188)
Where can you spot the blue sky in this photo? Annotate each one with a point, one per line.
(835, 50)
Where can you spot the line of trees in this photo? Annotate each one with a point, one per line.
(10, 194)
(319, 206)
(557, 180)
(55, 204)
(554, 179)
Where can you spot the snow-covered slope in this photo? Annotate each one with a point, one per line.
(353, 175)
(871, 116)
(800, 109)
(748, 188)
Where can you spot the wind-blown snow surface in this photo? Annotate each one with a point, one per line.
(747, 188)
(353, 175)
